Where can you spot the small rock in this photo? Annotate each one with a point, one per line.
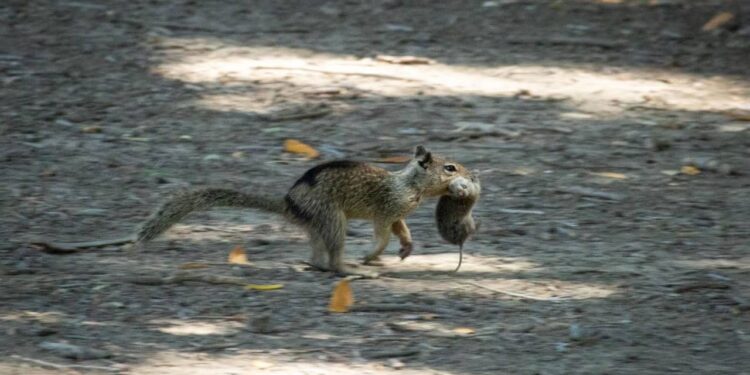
(398, 28)
(575, 332)
(74, 351)
(92, 129)
(64, 122)
(212, 157)
(330, 9)
(44, 331)
(113, 305)
(262, 324)
(395, 364)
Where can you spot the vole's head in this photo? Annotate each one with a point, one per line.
(436, 174)
(466, 187)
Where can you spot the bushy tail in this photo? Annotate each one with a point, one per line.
(175, 209)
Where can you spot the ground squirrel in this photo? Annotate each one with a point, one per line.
(328, 195)
(453, 212)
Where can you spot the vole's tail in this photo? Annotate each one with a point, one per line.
(172, 211)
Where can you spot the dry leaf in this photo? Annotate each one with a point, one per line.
(237, 256)
(717, 21)
(739, 114)
(613, 175)
(342, 297)
(394, 159)
(263, 287)
(690, 170)
(92, 129)
(192, 266)
(296, 147)
(464, 330)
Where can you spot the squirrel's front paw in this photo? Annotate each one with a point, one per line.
(405, 250)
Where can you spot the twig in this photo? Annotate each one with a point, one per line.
(514, 294)
(587, 42)
(179, 26)
(72, 247)
(514, 211)
(689, 287)
(392, 354)
(323, 71)
(66, 367)
(590, 193)
(389, 307)
(315, 113)
(182, 277)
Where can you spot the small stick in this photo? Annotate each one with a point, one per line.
(514, 294)
(65, 367)
(392, 307)
(72, 247)
(579, 190)
(179, 278)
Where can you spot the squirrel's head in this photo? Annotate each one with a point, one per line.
(437, 173)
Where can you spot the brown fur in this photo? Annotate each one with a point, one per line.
(325, 197)
(453, 212)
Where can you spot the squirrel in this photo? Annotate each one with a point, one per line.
(453, 212)
(326, 196)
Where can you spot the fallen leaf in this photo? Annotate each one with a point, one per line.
(263, 287)
(690, 170)
(192, 266)
(394, 159)
(237, 255)
(296, 147)
(464, 330)
(717, 21)
(342, 297)
(92, 129)
(739, 114)
(613, 175)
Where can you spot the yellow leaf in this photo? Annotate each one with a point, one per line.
(342, 297)
(739, 114)
(394, 160)
(717, 21)
(193, 266)
(690, 170)
(464, 330)
(613, 175)
(237, 255)
(296, 147)
(263, 287)
(92, 129)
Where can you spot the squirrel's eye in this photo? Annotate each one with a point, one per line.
(450, 168)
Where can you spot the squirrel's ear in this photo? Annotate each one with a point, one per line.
(425, 160)
(420, 151)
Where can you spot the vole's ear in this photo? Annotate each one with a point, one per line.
(420, 151)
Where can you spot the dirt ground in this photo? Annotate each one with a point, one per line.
(612, 137)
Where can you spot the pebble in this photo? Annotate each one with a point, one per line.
(74, 351)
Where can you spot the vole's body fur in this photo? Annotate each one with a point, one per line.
(453, 212)
(328, 195)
